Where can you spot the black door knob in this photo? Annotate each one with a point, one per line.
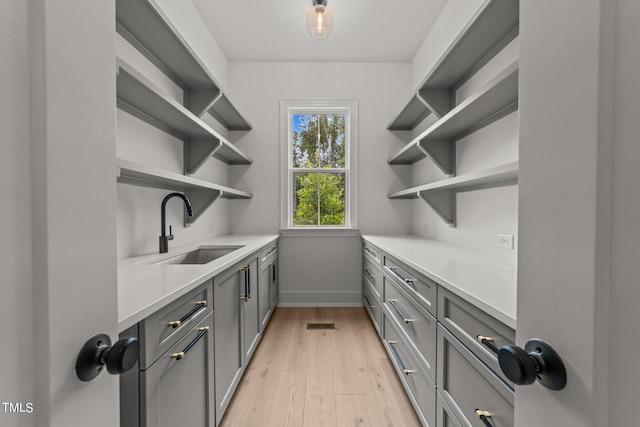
(98, 352)
(538, 360)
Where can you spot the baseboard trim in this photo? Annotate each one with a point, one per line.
(320, 299)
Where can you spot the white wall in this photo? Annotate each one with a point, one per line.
(377, 87)
(139, 208)
(483, 214)
(16, 306)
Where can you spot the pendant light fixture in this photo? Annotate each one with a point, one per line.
(319, 20)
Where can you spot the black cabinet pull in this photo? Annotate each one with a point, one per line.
(484, 417)
(401, 274)
(179, 355)
(488, 341)
(246, 296)
(368, 303)
(248, 281)
(273, 273)
(199, 306)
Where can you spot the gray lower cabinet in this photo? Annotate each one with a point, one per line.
(178, 388)
(268, 298)
(468, 385)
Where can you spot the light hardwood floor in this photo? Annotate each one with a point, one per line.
(300, 377)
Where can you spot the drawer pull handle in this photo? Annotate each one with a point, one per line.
(371, 276)
(179, 355)
(395, 307)
(405, 371)
(247, 284)
(177, 323)
(488, 341)
(484, 417)
(372, 253)
(369, 304)
(405, 279)
(273, 273)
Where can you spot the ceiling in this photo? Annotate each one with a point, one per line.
(363, 30)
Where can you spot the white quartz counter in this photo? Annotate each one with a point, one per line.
(143, 288)
(485, 280)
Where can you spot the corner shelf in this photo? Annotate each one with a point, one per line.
(441, 195)
(138, 96)
(495, 100)
(200, 193)
(492, 28)
(142, 24)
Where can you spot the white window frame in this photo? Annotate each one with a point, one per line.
(287, 109)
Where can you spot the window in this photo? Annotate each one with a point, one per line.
(319, 148)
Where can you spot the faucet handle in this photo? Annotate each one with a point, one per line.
(170, 236)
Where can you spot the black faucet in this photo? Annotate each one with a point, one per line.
(164, 239)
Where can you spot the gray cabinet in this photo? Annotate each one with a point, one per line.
(250, 314)
(372, 294)
(268, 298)
(228, 335)
(178, 388)
(173, 382)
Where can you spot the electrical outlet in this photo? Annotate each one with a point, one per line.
(212, 228)
(505, 271)
(505, 241)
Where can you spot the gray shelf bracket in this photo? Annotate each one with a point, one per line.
(443, 154)
(437, 100)
(197, 152)
(443, 202)
(198, 101)
(200, 199)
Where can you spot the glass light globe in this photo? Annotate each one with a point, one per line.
(319, 22)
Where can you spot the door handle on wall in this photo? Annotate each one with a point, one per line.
(98, 352)
(538, 360)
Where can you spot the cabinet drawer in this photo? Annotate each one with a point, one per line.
(415, 284)
(466, 384)
(419, 388)
(372, 304)
(177, 389)
(418, 326)
(467, 322)
(373, 254)
(373, 275)
(268, 251)
(165, 327)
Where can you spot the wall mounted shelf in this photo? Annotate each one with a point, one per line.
(200, 193)
(138, 96)
(490, 30)
(142, 24)
(495, 100)
(441, 195)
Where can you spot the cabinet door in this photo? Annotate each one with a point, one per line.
(228, 340)
(264, 298)
(177, 388)
(251, 318)
(274, 287)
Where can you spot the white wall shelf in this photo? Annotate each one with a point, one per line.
(441, 195)
(200, 193)
(138, 96)
(495, 100)
(492, 28)
(142, 24)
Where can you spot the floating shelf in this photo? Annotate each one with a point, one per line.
(495, 100)
(200, 193)
(441, 195)
(492, 28)
(143, 25)
(138, 96)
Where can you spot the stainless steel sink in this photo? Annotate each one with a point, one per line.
(202, 255)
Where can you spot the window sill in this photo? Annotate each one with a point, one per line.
(320, 232)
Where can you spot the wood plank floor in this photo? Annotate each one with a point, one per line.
(325, 378)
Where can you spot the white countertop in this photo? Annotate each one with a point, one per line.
(485, 280)
(143, 288)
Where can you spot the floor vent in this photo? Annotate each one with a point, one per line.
(321, 325)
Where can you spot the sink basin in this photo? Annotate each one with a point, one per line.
(202, 255)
